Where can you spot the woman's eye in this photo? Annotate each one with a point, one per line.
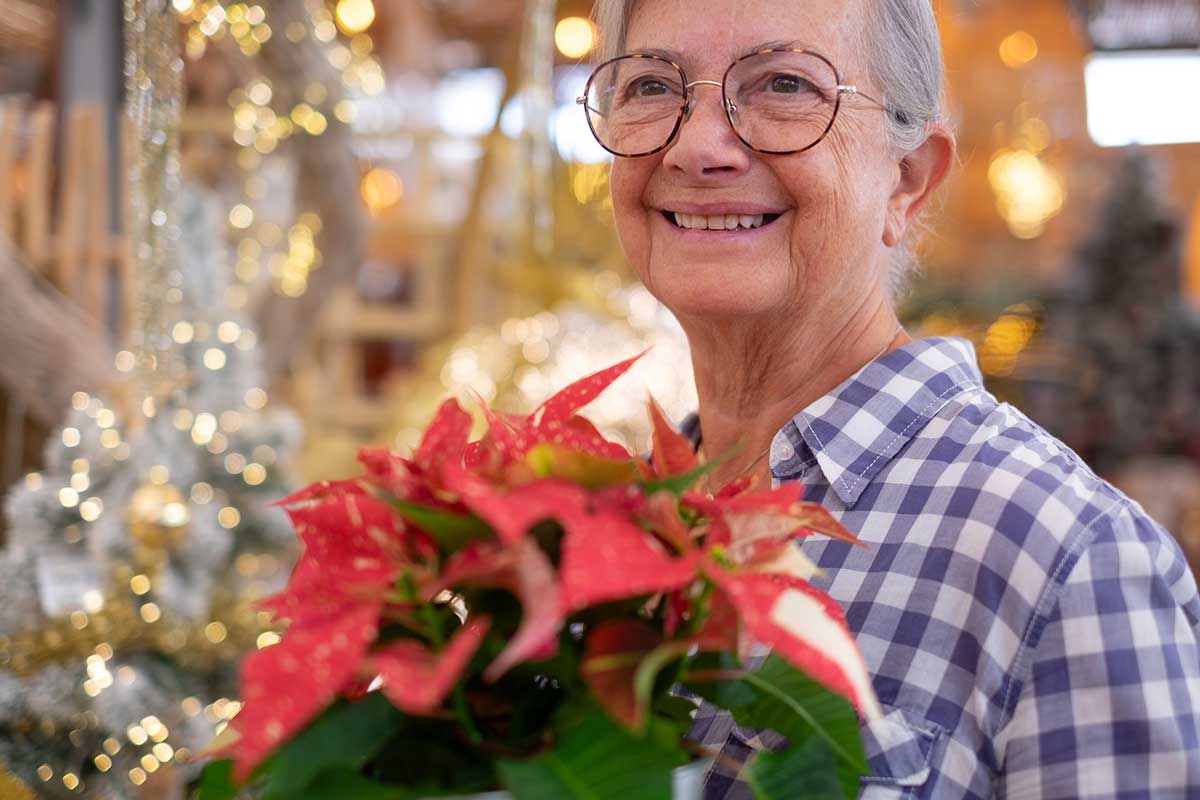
(649, 88)
(788, 84)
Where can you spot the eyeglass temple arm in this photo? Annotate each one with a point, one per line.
(860, 93)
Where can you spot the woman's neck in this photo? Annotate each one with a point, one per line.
(752, 378)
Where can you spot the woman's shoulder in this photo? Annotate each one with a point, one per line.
(976, 444)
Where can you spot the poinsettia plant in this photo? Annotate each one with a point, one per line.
(540, 610)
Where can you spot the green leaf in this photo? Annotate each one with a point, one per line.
(216, 781)
(797, 707)
(596, 759)
(677, 710)
(801, 771)
(432, 754)
(342, 783)
(647, 671)
(451, 530)
(346, 735)
(726, 694)
(678, 484)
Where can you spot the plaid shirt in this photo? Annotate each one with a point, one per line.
(1030, 631)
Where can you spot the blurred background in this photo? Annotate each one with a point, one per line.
(238, 241)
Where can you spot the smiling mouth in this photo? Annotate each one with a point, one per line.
(719, 222)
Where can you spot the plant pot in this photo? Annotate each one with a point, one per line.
(688, 784)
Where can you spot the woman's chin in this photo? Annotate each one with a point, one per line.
(717, 298)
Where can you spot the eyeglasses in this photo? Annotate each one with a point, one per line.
(778, 101)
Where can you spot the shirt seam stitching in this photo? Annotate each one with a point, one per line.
(920, 415)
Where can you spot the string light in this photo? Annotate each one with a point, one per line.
(1018, 49)
(229, 517)
(381, 190)
(1028, 193)
(575, 36)
(355, 16)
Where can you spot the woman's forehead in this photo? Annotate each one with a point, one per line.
(716, 32)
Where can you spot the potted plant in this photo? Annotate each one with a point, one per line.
(539, 611)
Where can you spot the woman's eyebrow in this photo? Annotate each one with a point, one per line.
(678, 58)
(669, 55)
(775, 45)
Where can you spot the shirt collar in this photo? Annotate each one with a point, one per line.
(855, 430)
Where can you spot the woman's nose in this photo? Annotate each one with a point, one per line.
(706, 144)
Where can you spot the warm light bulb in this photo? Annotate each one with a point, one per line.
(381, 189)
(575, 36)
(354, 16)
(1018, 49)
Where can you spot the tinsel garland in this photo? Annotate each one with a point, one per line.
(11, 787)
(123, 624)
(154, 101)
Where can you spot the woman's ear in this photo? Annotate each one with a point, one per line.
(921, 172)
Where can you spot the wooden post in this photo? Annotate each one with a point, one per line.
(65, 272)
(37, 185)
(123, 246)
(99, 237)
(8, 158)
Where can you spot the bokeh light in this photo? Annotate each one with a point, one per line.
(354, 16)
(575, 36)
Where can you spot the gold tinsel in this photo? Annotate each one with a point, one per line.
(11, 787)
(128, 623)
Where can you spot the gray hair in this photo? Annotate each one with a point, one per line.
(904, 59)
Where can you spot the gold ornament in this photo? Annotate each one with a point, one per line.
(158, 518)
(11, 787)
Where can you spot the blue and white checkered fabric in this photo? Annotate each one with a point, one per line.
(1031, 632)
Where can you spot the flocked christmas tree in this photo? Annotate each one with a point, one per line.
(133, 558)
(1119, 375)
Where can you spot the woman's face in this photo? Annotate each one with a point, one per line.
(825, 254)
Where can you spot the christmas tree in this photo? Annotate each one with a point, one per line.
(134, 557)
(1116, 374)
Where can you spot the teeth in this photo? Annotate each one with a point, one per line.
(725, 222)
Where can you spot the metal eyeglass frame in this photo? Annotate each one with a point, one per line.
(685, 108)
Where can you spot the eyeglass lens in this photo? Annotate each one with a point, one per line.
(780, 102)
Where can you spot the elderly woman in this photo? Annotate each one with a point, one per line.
(1030, 631)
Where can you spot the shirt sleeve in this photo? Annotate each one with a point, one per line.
(1111, 704)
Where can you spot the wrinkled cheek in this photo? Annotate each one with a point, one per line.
(632, 223)
(634, 235)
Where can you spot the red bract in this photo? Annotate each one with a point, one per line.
(512, 512)
(606, 557)
(563, 405)
(672, 453)
(286, 685)
(417, 679)
(510, 438)
(526, 572)
(353, 550)
(772, 513)
(445, 438)
(612, 654)
(804, 626)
